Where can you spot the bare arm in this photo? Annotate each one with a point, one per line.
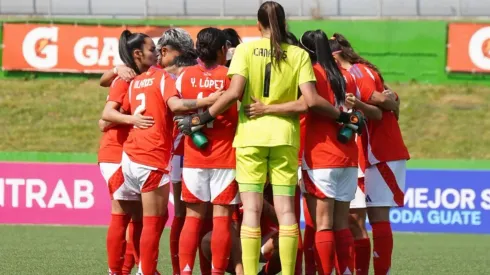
(291, 108)
(179, 105)
(107, 78)
(124, 72)
(384, 101)
(111, 114)
(370, 111)
(105, 125)
(317, 103)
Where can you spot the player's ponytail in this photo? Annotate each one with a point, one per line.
(128, 42)
(316, 44)
(340, 44)
(271, 16)
(210, 41)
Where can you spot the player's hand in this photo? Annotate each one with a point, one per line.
(350, 101)
(255, 109)
(188, 124)
(356, 122)
(142, 122)
(390, 94)
(212, 98)
(126, 73)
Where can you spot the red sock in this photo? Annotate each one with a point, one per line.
(325, 251)
(344, 248)
(116, 242)
(220, 244)
(382, 247)
(128, 258)
(362, 256)
(135, 229)
(150, 241)
(175, 230)
(189, 240)
(309, 242)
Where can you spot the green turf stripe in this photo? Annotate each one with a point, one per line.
(92, 158)
(450, 164)
(48, 157)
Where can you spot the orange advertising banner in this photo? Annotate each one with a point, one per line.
(468, 48)
(72, 48)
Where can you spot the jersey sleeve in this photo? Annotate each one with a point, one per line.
(366, 88)
(168, 88)
(178, 85)
(125, 104)
(117, 91)
(239, 63)
(306, 73)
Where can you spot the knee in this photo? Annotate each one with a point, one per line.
(379, 214)
(324, 223)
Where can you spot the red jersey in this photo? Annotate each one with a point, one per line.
(383, 139)
(111, 143)
(199, 82)
(152, 146)
(302, 133)
(178, 146)
(322, 149)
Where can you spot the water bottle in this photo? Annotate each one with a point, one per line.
(348, 130)
(199, 139)
(345, 134)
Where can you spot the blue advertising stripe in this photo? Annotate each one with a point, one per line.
(445, 202)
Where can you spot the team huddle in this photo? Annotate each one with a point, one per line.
(246, 133)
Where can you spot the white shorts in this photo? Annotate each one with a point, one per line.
(337, 183)
(114, 178)
(108, 169)
(176, 171)
(385, 184)
(217, 186)
(139, 178)
(359, 200)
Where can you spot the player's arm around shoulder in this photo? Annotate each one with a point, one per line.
(179, 105)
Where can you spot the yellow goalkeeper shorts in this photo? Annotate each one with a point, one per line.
(253, 164)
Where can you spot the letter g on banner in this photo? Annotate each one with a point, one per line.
(39, 47)
(479, 48)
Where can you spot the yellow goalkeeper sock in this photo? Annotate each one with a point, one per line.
(251, 240)
(288, 247)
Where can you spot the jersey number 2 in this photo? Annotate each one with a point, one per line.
(201, 110)
(142, 98)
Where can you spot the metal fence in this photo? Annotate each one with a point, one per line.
(235, 8)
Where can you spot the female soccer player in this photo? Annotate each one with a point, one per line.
(147, 151)
(383, 156)
(330, 166)
(271, 71)
(209, 173)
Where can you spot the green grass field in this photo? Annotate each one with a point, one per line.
(60, 115)
(81, 250)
